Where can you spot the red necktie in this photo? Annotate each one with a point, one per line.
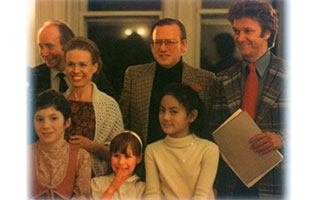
(249, 100)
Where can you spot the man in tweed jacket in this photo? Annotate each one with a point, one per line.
(143, 83)
(255, 26)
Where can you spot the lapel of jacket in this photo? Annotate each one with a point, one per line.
(44, 79)
(48, 83)
(271, 90)
(232, 87)
(188, 75)
(145, 88)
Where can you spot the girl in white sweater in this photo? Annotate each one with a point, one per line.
(182, 165)
(123, 183)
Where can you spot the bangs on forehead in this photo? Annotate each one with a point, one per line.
(121, 147)
(121, 142)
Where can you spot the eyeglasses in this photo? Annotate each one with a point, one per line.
(168, 43)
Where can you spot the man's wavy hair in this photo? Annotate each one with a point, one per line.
(260, 11)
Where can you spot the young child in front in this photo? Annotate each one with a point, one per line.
(123, 183)
(182, 165)
(58, 169)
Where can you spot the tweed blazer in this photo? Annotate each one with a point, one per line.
(136, 93)
(269, 117)
(108, 124)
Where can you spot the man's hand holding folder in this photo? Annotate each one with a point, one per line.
(238, 139)
(265, 142)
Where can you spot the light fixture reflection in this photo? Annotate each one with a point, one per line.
(141, 31)
(128, 32)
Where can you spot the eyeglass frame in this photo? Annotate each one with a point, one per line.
(166, 42)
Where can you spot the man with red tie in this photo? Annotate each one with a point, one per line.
(256, 84)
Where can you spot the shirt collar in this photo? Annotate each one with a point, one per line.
(54, 73)
(261, 64)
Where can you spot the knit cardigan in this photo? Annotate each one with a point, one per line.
(108, 124)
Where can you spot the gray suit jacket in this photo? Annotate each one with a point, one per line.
(136, 93)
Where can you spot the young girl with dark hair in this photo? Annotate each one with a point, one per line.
(123, 183)
(58, 169)
(182, 165)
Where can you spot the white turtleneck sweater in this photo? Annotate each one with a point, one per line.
(181, 168)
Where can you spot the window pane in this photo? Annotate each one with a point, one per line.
(123, 42)
(119, 5)
(212, 26)
(210, 4)
(207, 4)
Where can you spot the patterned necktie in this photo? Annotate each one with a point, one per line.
(62, 85)
(249, 100)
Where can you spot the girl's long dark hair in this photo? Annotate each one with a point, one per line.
(190, 99)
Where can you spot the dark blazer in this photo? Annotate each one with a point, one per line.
(136, 93)
(39, 78)
(269, 117)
